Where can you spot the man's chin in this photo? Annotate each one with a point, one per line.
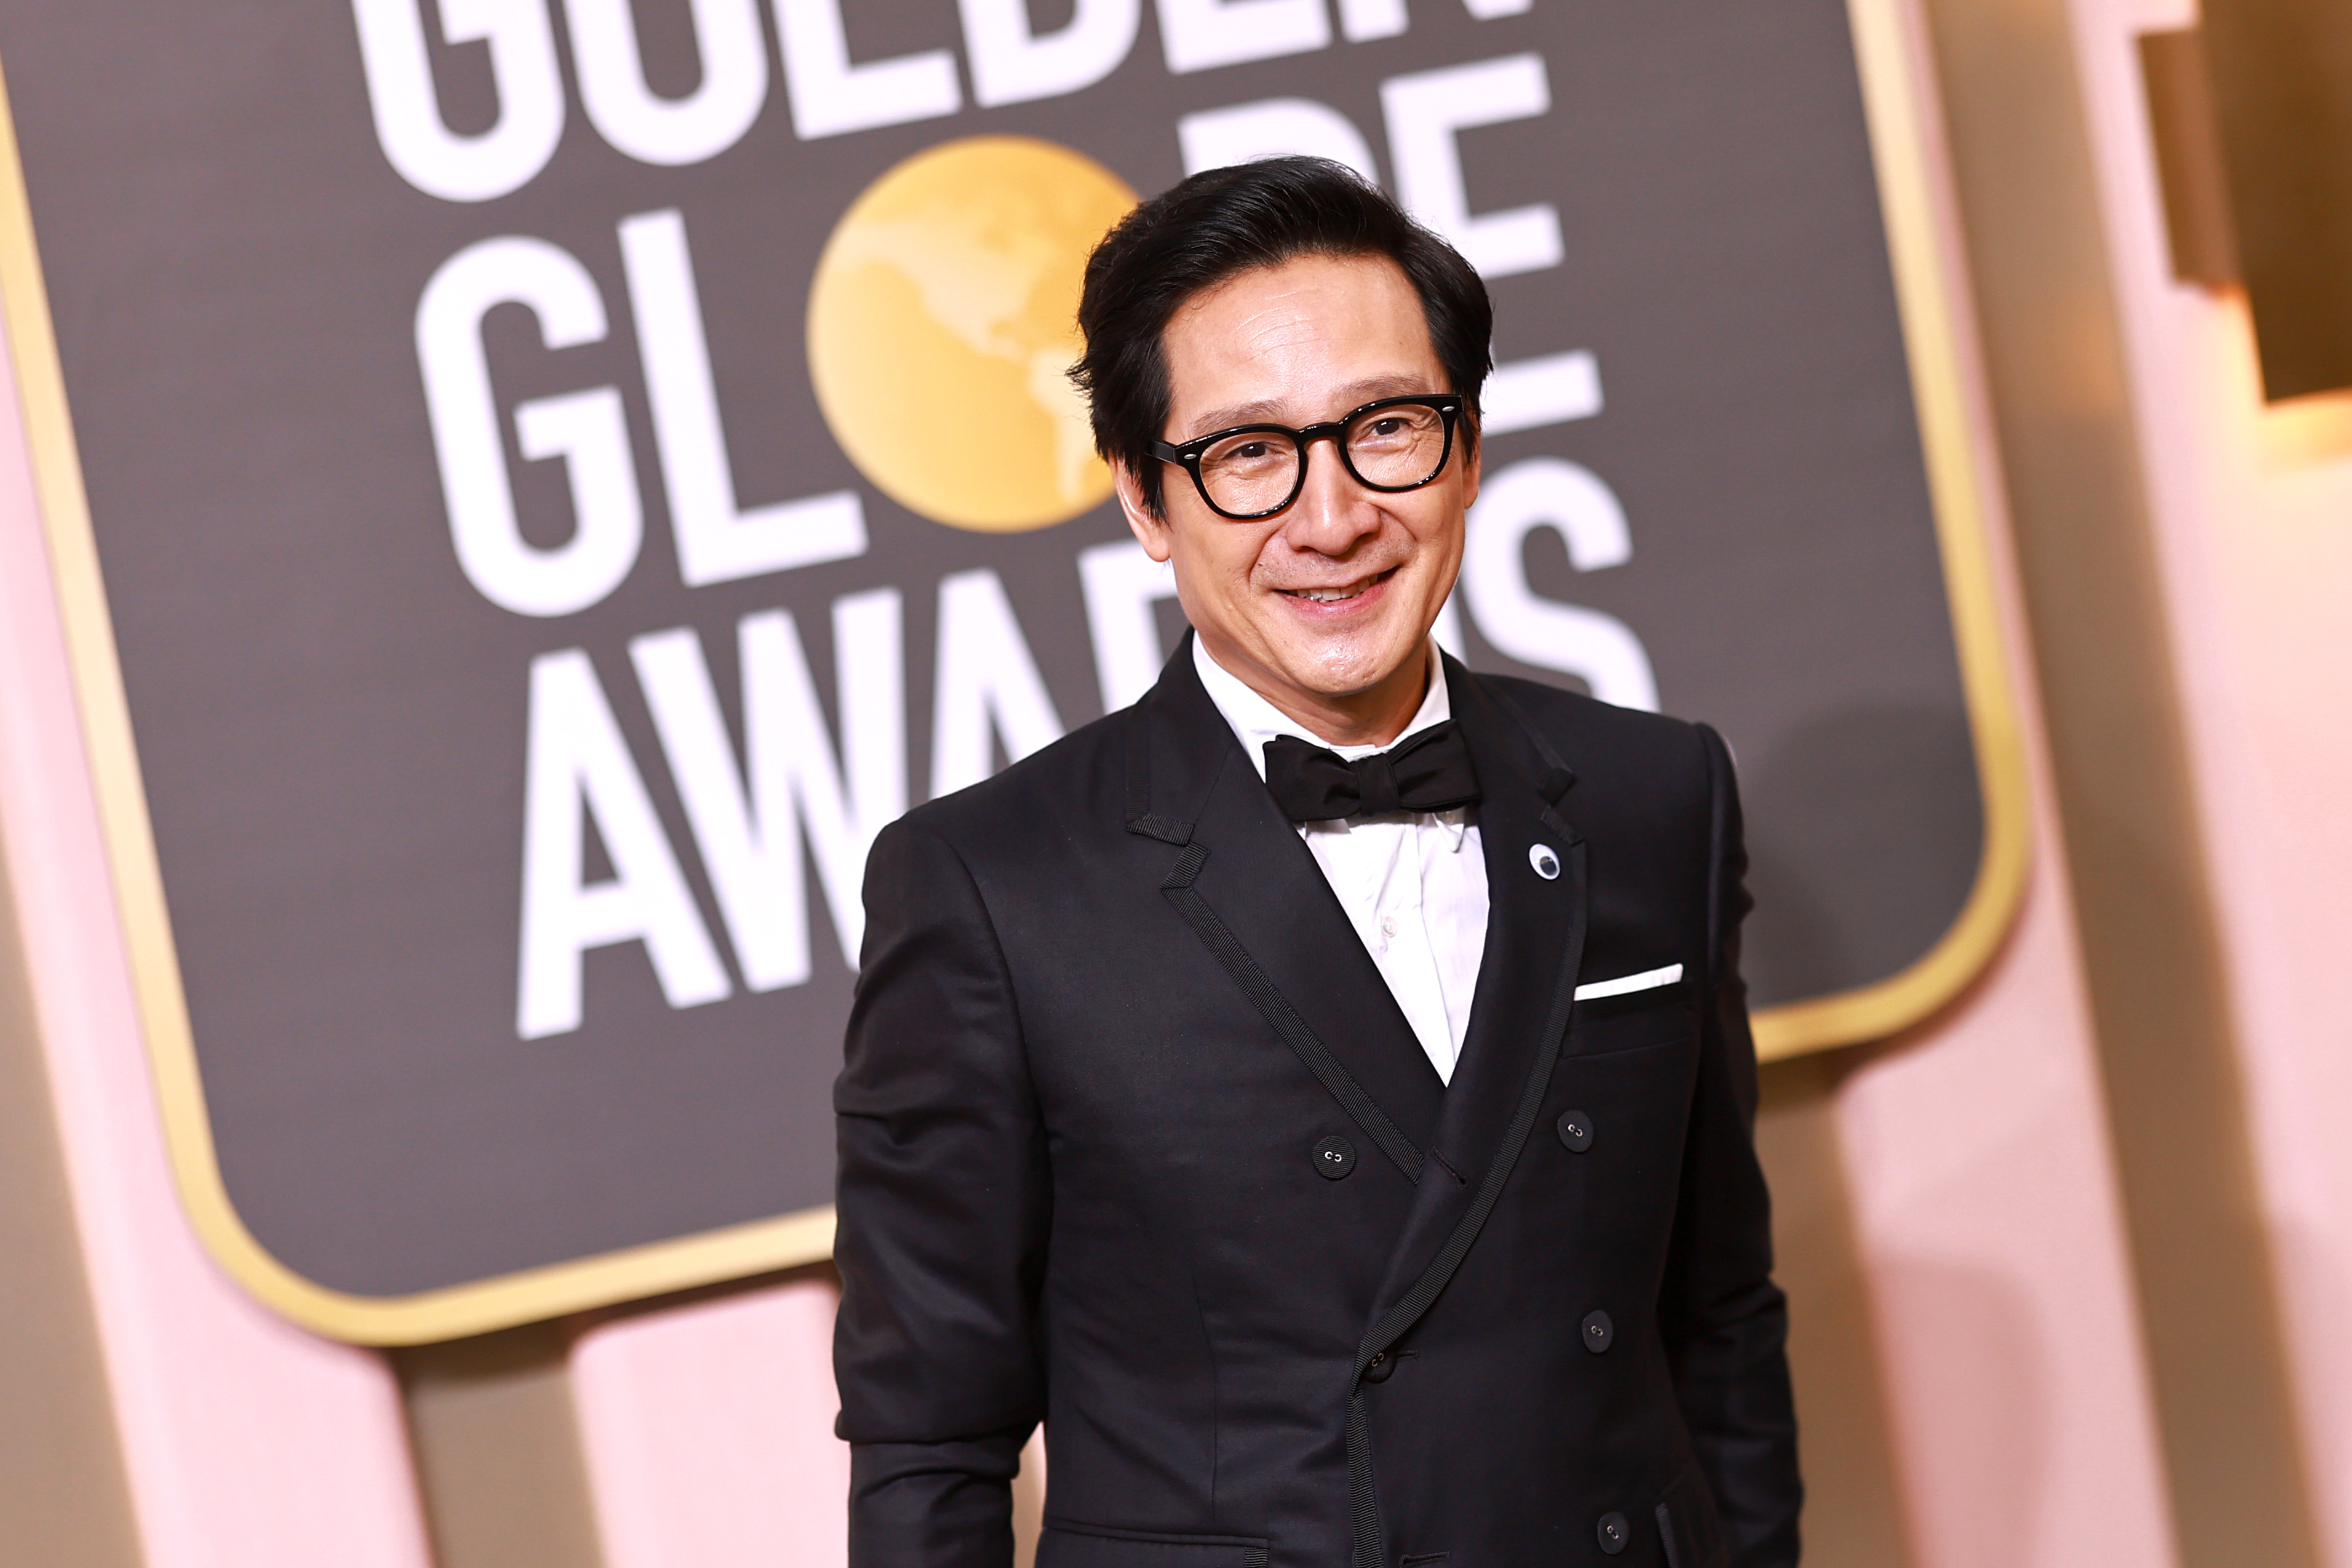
(1337, 673)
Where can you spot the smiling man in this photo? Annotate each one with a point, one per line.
(1321, 1092)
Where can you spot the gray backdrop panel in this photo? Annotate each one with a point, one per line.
(331, 720)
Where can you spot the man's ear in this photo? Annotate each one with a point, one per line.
(1150, 529)
(1470, 468)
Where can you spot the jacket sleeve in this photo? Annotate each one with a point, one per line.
(944, 1202)
(1725, 1323)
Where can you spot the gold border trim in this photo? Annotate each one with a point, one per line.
(1925, 292)
(1927, 298)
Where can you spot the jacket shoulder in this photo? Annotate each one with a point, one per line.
(1598, 739)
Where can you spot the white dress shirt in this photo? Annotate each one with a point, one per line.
(1414, 882)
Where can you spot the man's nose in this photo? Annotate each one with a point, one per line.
(1333, 511)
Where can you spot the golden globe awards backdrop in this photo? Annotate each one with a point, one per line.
(538, 483)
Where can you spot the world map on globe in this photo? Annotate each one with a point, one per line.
(942, 327)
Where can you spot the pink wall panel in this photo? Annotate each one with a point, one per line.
(2253, 510)
(709, 1433)
(248, 1443)
(1988, 1221)
(1988, 1218)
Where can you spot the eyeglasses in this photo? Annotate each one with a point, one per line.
(1253, 470)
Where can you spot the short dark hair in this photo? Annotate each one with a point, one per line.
(1223, 222)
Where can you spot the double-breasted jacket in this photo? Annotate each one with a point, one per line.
(1134, 1142)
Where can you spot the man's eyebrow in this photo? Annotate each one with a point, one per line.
(1353, 395)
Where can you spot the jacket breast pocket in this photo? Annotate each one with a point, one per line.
(1630, 1022)
(1067, 1543)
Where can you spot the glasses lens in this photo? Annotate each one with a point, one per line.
(1253, 472)
(1397, 446)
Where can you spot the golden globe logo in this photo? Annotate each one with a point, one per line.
(942, 324)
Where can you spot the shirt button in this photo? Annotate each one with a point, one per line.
(1388, 926)
(1597, 1332)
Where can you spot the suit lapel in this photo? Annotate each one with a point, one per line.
(1534, 929)
(1255, 877)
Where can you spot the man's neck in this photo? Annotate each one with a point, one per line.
(1374, 716)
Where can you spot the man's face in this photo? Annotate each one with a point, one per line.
(1324, 607)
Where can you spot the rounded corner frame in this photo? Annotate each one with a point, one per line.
(1927, 284)
(1925, 289)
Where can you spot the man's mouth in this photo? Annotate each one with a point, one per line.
(1339, 593)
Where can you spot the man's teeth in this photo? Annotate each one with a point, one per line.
(1327, 595)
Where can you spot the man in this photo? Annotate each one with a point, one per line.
(1320, 1093)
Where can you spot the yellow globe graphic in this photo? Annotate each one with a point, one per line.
(943, 321)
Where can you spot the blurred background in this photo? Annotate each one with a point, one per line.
(499, 500)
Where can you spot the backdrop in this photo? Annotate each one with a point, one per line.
(564, 475)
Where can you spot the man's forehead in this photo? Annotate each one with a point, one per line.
(1288, 342)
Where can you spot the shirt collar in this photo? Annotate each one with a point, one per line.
(1256, 721)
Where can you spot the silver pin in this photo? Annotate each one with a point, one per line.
(1547, 863)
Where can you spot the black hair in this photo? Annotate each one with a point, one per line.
(1222, 222)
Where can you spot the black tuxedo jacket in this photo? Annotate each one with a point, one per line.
(1135, 1140)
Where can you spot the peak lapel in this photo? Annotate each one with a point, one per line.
(1245, 870)
(1535, 931)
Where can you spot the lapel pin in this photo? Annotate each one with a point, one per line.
(1547, 863)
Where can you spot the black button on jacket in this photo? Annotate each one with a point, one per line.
(1109, 1002)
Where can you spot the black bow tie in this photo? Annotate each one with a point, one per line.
(1430, 771)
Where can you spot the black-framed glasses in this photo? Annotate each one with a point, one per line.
(1253, 470)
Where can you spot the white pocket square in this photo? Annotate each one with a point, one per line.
(1647, 980)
